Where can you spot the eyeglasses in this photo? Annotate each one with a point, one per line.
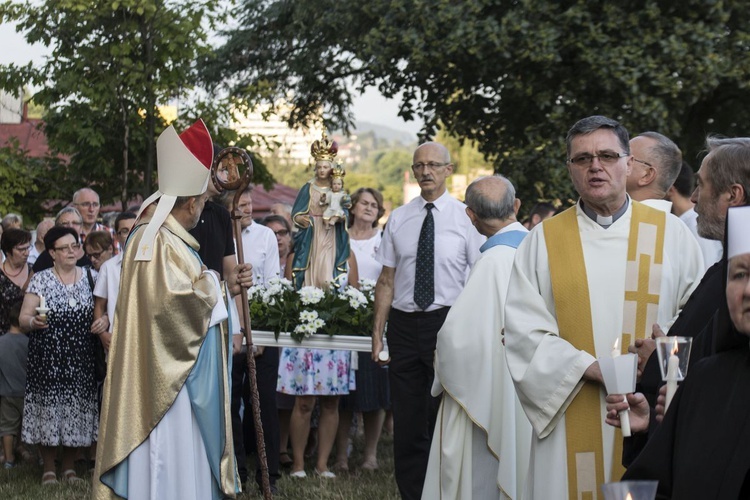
(281, 232)
(431, 165)
(23, 249)
(73, 247)
(641, 161)
(605, 158)
(96, 255)
(70, 223)
(88, 204)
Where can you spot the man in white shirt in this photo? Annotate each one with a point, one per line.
(596, 276)
(258, 242)
(108, 282)
(428, 248)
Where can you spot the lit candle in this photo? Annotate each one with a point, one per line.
(616, 348)
(42, 303)
(673, 366)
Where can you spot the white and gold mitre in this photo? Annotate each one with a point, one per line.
(184, 164)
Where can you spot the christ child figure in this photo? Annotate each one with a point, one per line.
(337, 199)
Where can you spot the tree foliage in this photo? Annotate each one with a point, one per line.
(20, 178)
(512, 76)
(112, 64)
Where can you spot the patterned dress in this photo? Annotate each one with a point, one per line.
(10, 293)
(314, 372)
(60, 407)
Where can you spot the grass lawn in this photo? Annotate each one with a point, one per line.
(24, 482)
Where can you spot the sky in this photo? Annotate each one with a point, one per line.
(369, 107)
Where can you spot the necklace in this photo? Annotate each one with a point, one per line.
(12, 275)
(72, 302)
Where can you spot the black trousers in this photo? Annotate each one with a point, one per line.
(243, 430)
(411, 343)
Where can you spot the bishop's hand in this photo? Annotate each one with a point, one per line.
(240, 277)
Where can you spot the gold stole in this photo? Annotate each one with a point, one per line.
(573, 305)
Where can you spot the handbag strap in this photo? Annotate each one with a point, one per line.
(90, 278)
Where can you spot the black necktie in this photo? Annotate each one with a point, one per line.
(424, 278)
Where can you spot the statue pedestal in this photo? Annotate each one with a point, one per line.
(359, 343)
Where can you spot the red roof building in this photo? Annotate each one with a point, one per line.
(262, 199)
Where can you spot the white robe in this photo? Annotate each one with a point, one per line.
(546, 369)
(480, 418)
(153, 471)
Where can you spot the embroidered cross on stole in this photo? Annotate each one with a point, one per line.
(583, 418)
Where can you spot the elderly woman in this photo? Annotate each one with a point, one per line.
(60, 406)
(67, 217)
(15, 244)
(283, 231)
(372, 396)
(702, 447)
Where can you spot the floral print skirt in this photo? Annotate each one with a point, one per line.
(315, 372)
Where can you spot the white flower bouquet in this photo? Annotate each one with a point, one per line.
(309, 310)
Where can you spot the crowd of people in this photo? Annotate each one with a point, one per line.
(486, 340)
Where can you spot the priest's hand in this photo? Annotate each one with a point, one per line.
(661, 403)
(594, 373)
(240, 277)
(639, 410)
(644, 348)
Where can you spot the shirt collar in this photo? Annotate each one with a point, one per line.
(603, 221)
(440, 203)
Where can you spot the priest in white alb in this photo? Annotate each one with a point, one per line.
(481, 432)
(603, 271)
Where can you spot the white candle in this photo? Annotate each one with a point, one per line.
(624, 414)
(616, 348)
(672, 368)
(625, 421)
(384, 355)
(42, 303)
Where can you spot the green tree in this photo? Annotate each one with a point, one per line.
(112, 64)
(20, 177)
(511, 76)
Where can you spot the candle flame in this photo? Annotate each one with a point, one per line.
(674, 348)
(629, 497)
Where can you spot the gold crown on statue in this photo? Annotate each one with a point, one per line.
(324, 149)
(338, 170)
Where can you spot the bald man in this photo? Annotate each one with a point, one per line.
(428, 248)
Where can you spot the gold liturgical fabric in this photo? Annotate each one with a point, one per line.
(572, 303)
(163, 311)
